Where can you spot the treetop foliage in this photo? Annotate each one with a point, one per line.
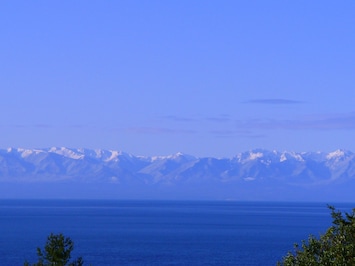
(57, 252)
(335, 247)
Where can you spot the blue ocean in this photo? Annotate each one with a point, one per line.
(161, 232)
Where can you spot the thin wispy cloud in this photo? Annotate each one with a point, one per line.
(176, 118)
(250, 128)
(217, 118)
(24, 126)
(322, 122)
(79, 126)
(219, 126)
(43, 126)
(276, 101)
(158, 130)
(235, 133)
(51, 126)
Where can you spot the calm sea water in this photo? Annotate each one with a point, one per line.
(161, 232)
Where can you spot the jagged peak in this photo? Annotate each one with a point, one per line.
(338, 154)
(287, 155)
(66, 152)
(23, 152)
(80, 153)
(251, 155)
(256, 154)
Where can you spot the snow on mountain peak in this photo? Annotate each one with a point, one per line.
(67, 152)
(251, 164)
(255, 155)
(291, 155)
(283, 157)
(114, 155)
(176, 156)
(250, 156)
(28, 152)
(23, 152)
(180, 155)
(336, 154)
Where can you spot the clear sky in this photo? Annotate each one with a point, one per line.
(207, 78)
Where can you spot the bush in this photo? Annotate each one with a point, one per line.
(335, 247)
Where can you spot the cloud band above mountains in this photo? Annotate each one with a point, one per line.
(275, 101)
(321, 122)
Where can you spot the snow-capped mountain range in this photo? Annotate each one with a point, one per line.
(259, 171)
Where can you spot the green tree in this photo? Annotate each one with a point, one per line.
(57, 252)
(335, 247)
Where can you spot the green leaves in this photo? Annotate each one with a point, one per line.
(57, 252)
(335, 247)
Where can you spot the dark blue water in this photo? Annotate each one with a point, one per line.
(161, 232)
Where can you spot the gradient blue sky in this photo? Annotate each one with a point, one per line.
(208, 78)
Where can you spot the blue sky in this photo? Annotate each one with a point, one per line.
(208, 78)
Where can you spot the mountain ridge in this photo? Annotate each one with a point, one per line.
(257, 171)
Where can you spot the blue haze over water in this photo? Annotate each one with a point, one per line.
(161, 232)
